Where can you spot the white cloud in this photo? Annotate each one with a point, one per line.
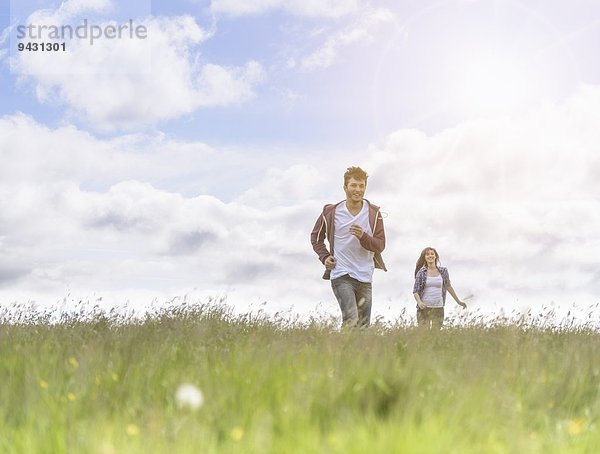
(86, 215)
(303, 8)
(511, 204)
(3, 38)
(361, 31)
(5, 35)
(34, 152)
(122, 84)
(69, 9)
(221, 86)
(285, 187)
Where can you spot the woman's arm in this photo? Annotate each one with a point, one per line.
(420, 279)
(419, 302)
(456, 298)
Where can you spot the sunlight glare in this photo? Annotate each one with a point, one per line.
(492, 85)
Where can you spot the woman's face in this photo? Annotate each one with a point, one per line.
(430, 257)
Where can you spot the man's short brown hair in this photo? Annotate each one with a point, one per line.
(355, 172)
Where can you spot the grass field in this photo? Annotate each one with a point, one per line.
(108, 385)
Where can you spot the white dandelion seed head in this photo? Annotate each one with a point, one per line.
(189, 396)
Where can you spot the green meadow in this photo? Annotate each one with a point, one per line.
(107, 384)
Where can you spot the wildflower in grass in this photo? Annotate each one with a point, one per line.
(98, 381)
(73, 362)
(114, 376)
(189, 396)
(576, 426)
(237, 433)
(107, 448)
(333, 439)
(70, 397)
(132, 430)
(43, 384)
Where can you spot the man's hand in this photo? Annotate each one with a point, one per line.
(330, 262)
(460, 303)
(421, 305)
(356, 230)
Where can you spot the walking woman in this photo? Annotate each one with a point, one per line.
(432, 281)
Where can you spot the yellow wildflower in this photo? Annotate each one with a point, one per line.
(43, 384)
(237, 433)
(132, 430)
(576, 426)
(71, 397)
(73, 362)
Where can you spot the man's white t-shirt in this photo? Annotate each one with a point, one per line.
(351, 258)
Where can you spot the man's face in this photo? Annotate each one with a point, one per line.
(355, 189)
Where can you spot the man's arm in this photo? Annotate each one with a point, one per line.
(317, 239)
(375, 243)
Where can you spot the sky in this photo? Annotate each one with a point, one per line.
(192, 159)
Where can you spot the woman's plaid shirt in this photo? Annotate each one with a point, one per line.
(421, 280)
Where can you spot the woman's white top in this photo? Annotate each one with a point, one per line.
(432, 293)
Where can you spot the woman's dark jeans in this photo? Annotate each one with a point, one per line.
(430, 317)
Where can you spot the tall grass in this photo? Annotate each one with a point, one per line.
(106, 383)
